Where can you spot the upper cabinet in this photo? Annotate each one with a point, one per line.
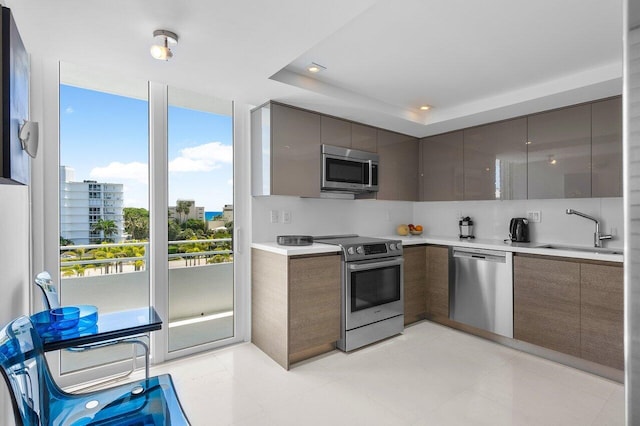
(573, 152)
(559, 150)
(334, 131)
(285, 151)
(441, 168)
(606, 148)
(364, 138)
(495, 161)
(398, 179)
(337, 132)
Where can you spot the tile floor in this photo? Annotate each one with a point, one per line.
(430, 375)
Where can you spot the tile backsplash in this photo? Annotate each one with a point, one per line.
(311, 216)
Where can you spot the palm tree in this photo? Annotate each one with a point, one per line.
(107, 227)
(183, 207)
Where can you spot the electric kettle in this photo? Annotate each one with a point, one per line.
(519, 230)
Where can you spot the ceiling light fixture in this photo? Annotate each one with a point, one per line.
(425, 107)
(162, 51)
(315, 68)
(552, 160)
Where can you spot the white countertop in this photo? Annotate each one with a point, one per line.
(315, 248)
(531, 248)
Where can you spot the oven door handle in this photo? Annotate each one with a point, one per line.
(374, 265)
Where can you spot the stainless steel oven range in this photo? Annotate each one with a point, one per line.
(372, 289)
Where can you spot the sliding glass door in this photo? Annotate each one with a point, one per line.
(110, 253)
(200, 222)
(103, 200)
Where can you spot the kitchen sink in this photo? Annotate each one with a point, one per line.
(597, 250)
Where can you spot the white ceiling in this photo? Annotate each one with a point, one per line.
(472, 61)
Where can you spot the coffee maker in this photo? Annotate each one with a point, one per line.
(519, 230)
(466, 227)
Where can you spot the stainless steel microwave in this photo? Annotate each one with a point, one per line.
(349, 170)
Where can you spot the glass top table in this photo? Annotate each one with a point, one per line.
(109, 326)
(94, 329)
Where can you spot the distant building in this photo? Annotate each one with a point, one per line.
(227, 216)
(84, 203)
(194, 211)
(227, 212)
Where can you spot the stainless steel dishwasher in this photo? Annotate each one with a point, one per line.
(481, 289)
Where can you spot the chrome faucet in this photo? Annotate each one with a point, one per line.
(597, 236)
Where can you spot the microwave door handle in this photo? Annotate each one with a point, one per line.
(370, 183)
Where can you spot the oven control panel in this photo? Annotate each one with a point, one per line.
(373, 251)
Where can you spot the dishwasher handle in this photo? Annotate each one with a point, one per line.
(479, 254)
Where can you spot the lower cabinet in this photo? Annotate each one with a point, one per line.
(602, 309)
(415, 290)
(571, 306)
(295, 307)
(437, 282)
(546, 303)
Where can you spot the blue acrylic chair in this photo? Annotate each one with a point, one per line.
(37, 400)
(50, 300)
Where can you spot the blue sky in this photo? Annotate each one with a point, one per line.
(104, 137)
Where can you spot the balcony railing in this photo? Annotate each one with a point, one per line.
(97, 259)
(200, 289)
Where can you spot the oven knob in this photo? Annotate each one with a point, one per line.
(392, 246)
(360, 250)
(350, 250)
(399, 246)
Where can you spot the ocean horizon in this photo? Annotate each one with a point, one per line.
(210, 215)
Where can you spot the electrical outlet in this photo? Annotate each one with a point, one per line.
(286, 216)
(534, 216)
(275, 216)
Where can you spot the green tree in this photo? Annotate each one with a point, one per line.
(195, 225)
(174, 230)
(65, 242)
(136, 223)
(183, 207)
(108, 228)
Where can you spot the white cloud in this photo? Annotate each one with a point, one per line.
(230, 182)
(202, 158)
(69, 110)
(116, 172)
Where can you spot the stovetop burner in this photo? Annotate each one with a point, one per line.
(355, 247)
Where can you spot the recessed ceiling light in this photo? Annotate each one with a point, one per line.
(425, 107)
(314, 67)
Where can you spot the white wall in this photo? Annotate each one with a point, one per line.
(491, 219)
(313, 216)
(14, 264)
(310, 216)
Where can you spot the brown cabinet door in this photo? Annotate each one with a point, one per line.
(314, 302)
(441, 168)
(437, 282)
(559, 153)
(364, 138)
(295, 150)
(334, 131)
(546, 303)
(398, 169)
(602, 314)
(415, 283)
(606, 148)
(495, 161)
